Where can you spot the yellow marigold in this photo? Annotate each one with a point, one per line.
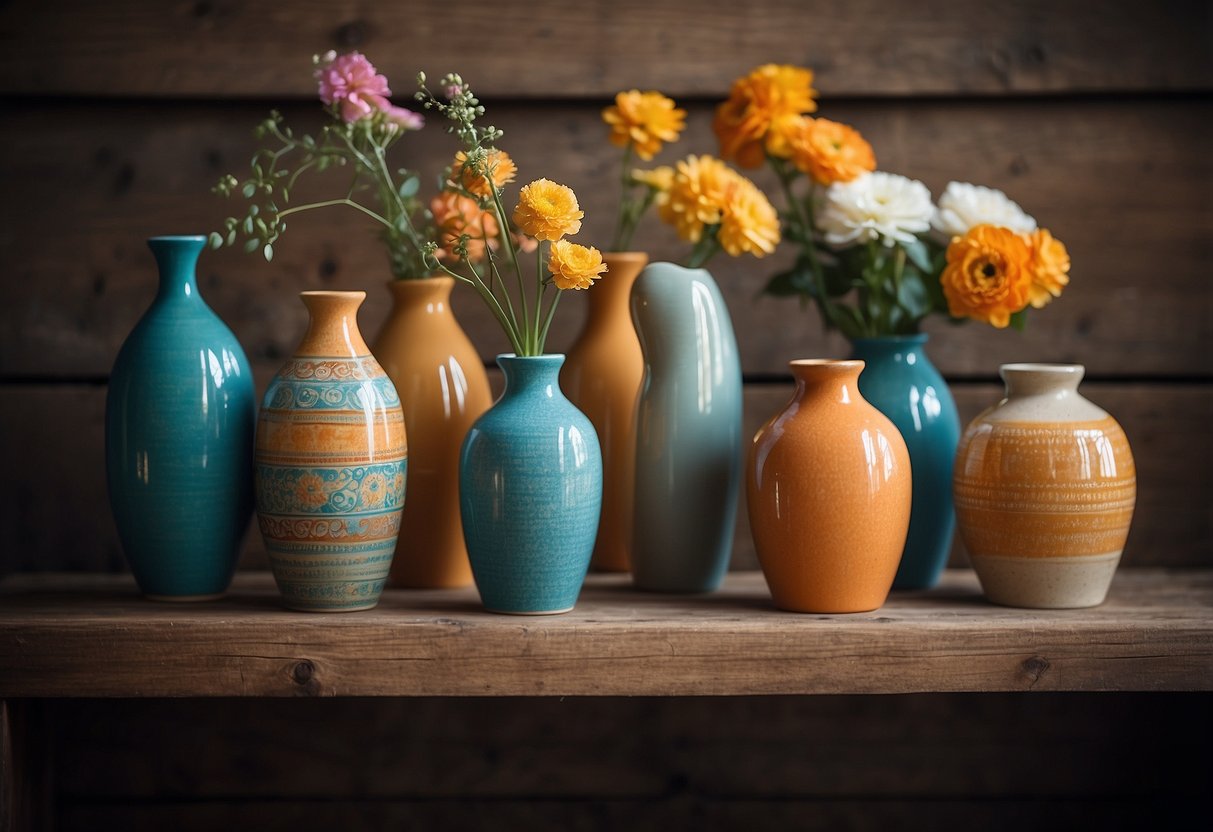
(763, 112)
(547, 210)
(831, 152)
(644, 120)
(749, 223)
(474, 178)
(1050, 266)
(659, 178)
(697, 195)
(456, 215)
(988, 276)
(573, 266)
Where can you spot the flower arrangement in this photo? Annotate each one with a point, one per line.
(876, 237)
(364, 126)
(546, 213)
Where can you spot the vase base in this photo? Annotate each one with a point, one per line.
(529, 612)
(184, 599)
(302, 608)
(1046, 583)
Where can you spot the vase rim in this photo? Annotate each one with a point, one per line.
(413, 282)
(513, 356)
(910, 338)
(336, 294)
(630, 254)
(1043, 368)
(177, 238)
(839, 365)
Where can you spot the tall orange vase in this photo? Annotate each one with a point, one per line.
(828, 489)
(601, 376)
(443, 389)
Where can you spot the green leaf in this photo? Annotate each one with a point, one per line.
(248, 190)
(918, 254)
(409, 187)
(782, 285)
(912, 296)
(231, 237)
(268, 251)
(215, 240)
(251, 245)
(1019, 320)
(248, 225)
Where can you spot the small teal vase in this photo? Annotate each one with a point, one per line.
(903, 384)
(688, 446)
(179, 421)
(530, 492)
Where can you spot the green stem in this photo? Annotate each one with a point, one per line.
(803, 213)
(704, 250)
(503, 230)
(625, 223)
(351, 203)
(543, 335)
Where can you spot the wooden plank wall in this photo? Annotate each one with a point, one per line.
(1094, 115)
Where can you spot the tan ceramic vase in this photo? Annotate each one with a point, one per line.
(601, 376)
(331, 458)
(443, 389)
(828, 491)
(1045, 487)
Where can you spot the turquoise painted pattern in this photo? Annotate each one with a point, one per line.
(332, 395)
(343, 490)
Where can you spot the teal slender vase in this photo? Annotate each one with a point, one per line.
(179, 421)
(688, 428)
(903, 384)
(530, 492)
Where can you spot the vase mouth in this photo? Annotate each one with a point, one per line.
(334, 294)
(513, 356)
(1043, 368)
(912, 338)
(1028, 378)
(819, 369)
(177, 238)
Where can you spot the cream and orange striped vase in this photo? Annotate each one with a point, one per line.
(1045, 487)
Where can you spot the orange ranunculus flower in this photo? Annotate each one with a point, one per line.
(1050, 266)
(547, 210)
(659, 178)
(644, 120)
(456, 215)
(764, 110)
(573, 266)
(831, 152)
(696, 196)
(749, 223)
(988, 276)
(496, 166)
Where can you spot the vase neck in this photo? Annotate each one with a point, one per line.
(837, 381)
(609, 297)
(530, 373)
(332, 329)
(431, 295)
(177, 259)
(1054, 380)
(898, 349)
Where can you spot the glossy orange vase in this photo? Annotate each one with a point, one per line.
(601, 376)
(443, 389)
(828, 489)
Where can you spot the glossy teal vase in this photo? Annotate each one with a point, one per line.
(179, 421)
(902, 383)
(530, 492)
(688, 431)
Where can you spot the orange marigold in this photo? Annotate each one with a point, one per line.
(496, 166)
(988, 276)
(749, 223)
(573, 266)
(1050, 266)
(697, 195)
(644, 121)
(659, 178)
(763, 112)
(547, 210)
(456, 215)
(831, 152)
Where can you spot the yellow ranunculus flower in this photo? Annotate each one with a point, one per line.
(547, 210)
(496, 166)
(831, 152)
(1050, 267)
(988, 276)
(644, 120)
(696, 196)
(573, 266)
(659, 178)
(749, 223)
(763, 112)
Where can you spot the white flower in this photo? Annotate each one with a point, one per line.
(963, 206)
(876, 206)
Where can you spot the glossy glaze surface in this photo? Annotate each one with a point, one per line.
(828, 491)
(331, 459)
(443, 389)
(179, 419)
(688, 431)
(1045, 487)
(602, 378)
(900, 381)
(530, 487)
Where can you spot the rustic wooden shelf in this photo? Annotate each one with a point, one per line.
(93, 636)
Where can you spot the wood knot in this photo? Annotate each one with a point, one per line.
(303, 672)
(1034, 668)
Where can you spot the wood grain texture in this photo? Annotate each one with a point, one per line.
(68, 636)
(1139, 227)
(594, 48)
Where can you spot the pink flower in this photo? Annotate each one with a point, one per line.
(403, 118)
(452, 90)
(351, 82)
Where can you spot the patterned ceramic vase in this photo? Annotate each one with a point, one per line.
(828, 491)
(331, 457)
(900, 381)
(602, 377)
(530, 487)
(688, 432)
(443, 389)
(1045, 487)
(179, 419)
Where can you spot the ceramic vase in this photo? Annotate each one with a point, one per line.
(330, 464)
(179, 418)
(688, 432)
(602, 378)
(1045, 488)
(900, 381)
(443, 389)
(828, 490)
(530, 489)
